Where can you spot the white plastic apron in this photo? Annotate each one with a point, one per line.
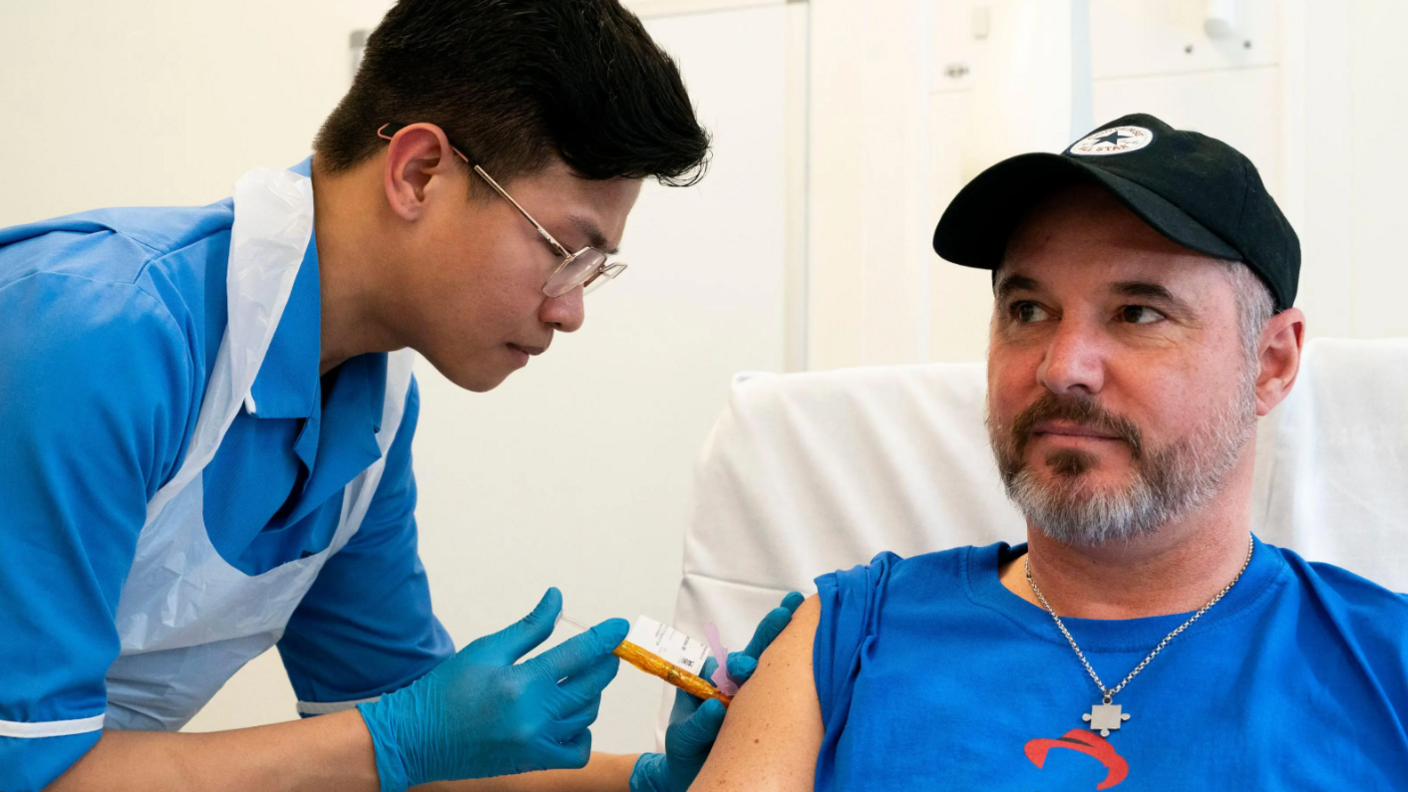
(187, 619)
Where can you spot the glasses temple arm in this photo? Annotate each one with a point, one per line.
(562, 251)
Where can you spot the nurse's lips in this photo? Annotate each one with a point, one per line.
(522, 353)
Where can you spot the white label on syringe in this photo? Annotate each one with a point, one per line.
(669, 644)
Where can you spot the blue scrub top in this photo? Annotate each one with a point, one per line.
(109, 325)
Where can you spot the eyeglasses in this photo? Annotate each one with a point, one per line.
(588, 267)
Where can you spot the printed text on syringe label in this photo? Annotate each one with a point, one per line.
(669, 644)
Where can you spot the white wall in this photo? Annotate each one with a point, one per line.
(1347, 105)
(161, 102)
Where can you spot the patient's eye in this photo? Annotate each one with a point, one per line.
(1026, 312)
(1139, 314)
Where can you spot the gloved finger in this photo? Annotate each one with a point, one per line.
(581, 690)
(573, 754)
(690, 741)
(741, 667)
(574, 655)
(507, 645)
(685, 706)
(773, 624)
(567, 728)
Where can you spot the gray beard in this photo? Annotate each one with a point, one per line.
(1168, 482)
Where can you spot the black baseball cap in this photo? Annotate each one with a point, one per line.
(1196, 190)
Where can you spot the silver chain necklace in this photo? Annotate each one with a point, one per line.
(1106, 717)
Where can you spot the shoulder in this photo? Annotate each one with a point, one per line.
(888, 572)
(851, 604)
(79, 270)
(67, 324)
(93, 365)
(1360, 611)
(1343, 586)
(112, 281)
(108, 244)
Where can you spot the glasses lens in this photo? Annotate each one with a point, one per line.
(575, 272)
(604, 277)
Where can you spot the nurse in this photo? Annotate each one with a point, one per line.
(209, 411)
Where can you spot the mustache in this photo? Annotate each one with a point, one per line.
(1080, 411)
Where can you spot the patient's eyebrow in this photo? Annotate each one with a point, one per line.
(1010, 284)
(1151, 291)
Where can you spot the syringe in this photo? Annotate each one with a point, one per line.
(655, 665)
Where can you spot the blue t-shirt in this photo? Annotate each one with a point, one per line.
(109, 324)
(932, 675)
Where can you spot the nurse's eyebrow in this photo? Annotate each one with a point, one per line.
(593, 234)
(1010, 284)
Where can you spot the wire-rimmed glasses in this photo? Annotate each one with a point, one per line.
(588, 267)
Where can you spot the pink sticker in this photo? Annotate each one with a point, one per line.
(720, 678)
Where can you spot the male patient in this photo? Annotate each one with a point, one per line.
(1142, 639)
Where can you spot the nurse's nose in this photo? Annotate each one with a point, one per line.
(565, 312)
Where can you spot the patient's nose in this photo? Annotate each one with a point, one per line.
(1074, 363)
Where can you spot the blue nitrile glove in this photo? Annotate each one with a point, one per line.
(478, 714)
(695, 724)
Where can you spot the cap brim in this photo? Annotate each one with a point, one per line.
(975, 228)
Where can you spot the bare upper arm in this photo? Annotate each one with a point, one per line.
(770, 739)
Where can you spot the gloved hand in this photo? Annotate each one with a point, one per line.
(478, 714)
(695, 724)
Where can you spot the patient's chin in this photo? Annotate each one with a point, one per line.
(1073, 500)
(1070, 464)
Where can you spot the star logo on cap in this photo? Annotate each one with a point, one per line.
(1119, 140)
(1113, 138)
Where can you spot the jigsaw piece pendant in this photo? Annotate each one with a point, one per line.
(1105, 718)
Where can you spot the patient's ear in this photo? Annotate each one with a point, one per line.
(1281, 344)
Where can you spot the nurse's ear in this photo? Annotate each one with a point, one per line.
(417, 154)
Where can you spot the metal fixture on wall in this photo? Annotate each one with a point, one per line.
(1221, 20)
(356, 45)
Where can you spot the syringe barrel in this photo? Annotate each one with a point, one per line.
(671, 673)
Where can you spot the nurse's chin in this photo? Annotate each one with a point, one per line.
(478, 375)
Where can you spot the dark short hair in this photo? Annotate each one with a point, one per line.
(516, 82)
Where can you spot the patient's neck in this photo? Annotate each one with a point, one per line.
(1177, 569)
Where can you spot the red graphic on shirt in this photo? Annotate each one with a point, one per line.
(1087, 742)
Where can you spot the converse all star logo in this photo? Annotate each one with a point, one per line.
(1116, 140)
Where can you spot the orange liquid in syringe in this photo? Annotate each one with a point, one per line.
(654, 665)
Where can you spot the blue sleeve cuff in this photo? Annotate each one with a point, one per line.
(28, 764)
